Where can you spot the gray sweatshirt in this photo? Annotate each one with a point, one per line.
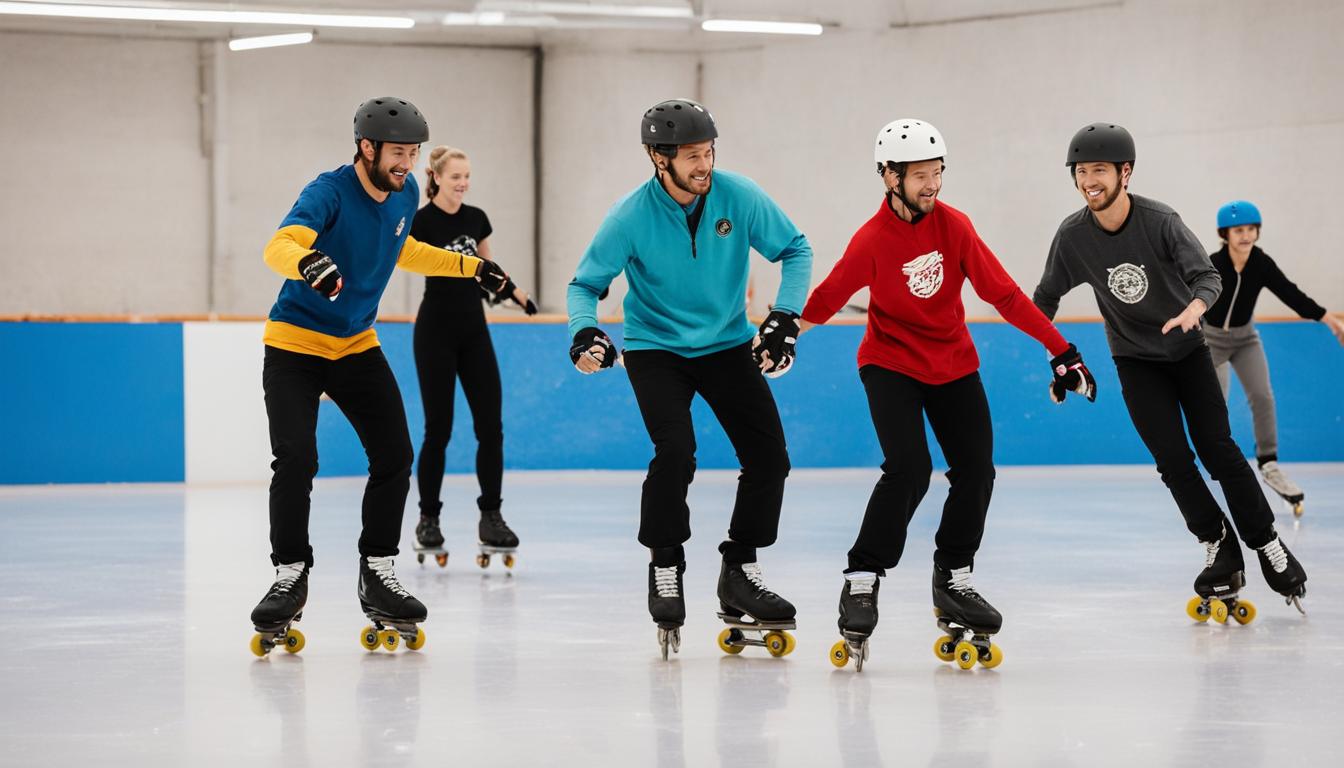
(1143, 275)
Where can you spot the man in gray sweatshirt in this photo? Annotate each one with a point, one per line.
(1153, 282)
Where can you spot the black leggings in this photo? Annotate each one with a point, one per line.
(451, 346)
(735, 390)
(959, 415)
(363, 387)
(1157, 394)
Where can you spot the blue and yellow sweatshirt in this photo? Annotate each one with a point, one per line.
(366, 240)
(687, 270)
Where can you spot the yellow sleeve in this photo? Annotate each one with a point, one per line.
(424, 259)
(287, 247)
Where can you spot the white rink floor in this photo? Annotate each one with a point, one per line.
(125, 611)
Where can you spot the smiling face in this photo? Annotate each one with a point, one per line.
(919, 186)
(1241, 238)
(454, 181)
(1101, 183)
(692, 170)
(389, 164)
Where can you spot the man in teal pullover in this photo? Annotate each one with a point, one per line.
(683, 240)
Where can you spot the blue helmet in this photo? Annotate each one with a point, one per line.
(1237, 213)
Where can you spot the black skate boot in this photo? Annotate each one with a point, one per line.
(754, 614)
(391, 608)
(1218, 585)
(282, 605)
(667, 604)
(429, 541)
(1283, 573)
(496, 538)
(966, 617)
(858, 618)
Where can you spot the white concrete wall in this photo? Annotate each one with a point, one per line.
(1226, 100)
(104, 195)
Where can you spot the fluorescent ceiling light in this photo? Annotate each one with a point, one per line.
(587, 9)
(270, 41)
(760, 27)
(141, 13)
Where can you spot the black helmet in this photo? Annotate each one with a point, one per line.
(390, 119)
(669, 124)
(1101, 143)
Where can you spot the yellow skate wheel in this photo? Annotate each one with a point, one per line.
(483, 561)
(943, 648)
(368, 637)
(1218, 610)
(840, 654)
(966, 654)
(993, 659)
(777, 643)
(294, 641)
(1244, 612)
(1297, 509)
(442, 560)
(508, 561)
(724, 644)
(789, 643)
(417, 641)
(257, 648)
(389, 639)
(1195, 609)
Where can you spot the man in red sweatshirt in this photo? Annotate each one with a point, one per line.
(917, 358)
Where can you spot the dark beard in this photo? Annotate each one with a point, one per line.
(685, 185)
(1108, 200)
(380, 179)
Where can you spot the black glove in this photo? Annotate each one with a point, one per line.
(585, 340)
(1071, 375)
(321, 274)
(604, 294)
(777, 335)
(493, 277)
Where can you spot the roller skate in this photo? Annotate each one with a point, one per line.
(429, 541)
(858, 619)
(281, 607)
(967, 618)
(393, 611)
(495, 539)
(1287, 489)
(1283, 573)
(1217, 586)
(667, 605)
(754, 614)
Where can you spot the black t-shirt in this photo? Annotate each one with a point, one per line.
(460, 232)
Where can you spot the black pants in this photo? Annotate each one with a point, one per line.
(1157, 394)
(363, 387)
(735, 390)
(959, 415)
(450, 346)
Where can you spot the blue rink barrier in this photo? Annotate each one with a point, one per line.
(104, 403)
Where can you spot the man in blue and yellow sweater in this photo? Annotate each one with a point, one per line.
(337, 248)
(683, 240)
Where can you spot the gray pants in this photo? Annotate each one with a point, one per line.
(1239, 349)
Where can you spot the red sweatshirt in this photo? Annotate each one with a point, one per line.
(916, 321)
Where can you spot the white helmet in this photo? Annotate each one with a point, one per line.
(908, 141)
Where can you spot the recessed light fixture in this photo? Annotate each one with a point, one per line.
(761, 27)
(142, 13)
(269, 41)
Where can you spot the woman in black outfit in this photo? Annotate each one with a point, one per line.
(452, 341)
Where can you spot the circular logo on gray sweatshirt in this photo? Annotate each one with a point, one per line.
(1128, 283)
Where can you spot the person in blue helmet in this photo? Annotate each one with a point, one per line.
(1233, 340)
(684, 240)
(337, 248)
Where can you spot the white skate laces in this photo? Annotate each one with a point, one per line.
(961, 581)
(382, 567)
(665, 581)
(286, 575)
(861, 582)
(1276, 555)
(753, 573)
